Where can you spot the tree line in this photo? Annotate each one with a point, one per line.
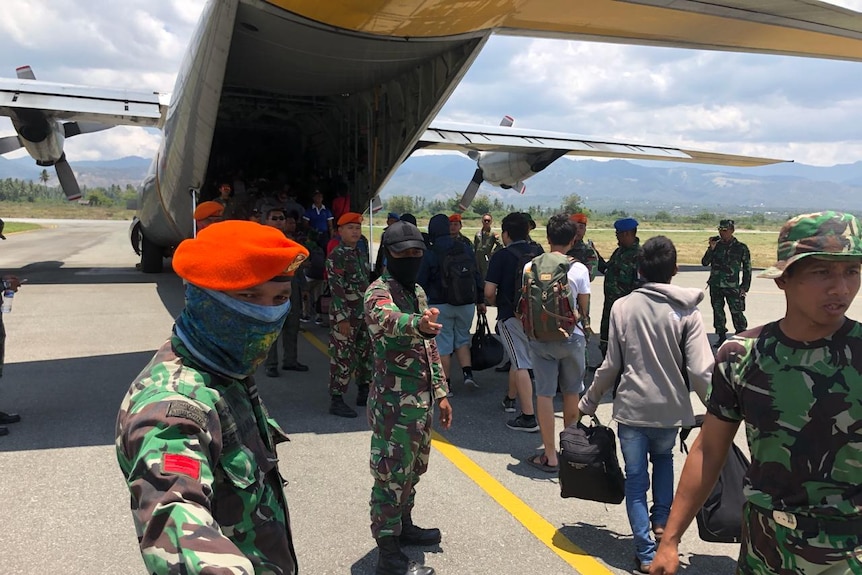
(14, 190)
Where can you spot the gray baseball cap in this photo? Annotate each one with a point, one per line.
(401, 235)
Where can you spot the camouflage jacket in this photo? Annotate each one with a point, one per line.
(486, 244)
(405, 359)
(199, 457)
(802, 404)
(348, 275)
(727, 260)
(621, 272)
(585, 252)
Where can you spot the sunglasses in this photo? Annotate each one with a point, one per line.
(278, 218)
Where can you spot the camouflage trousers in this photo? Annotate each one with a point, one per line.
(606, 324)
(736, 303)
(400, 446)
(772, 549)
(349, 355)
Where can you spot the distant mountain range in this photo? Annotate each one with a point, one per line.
(93, 174)
(616, 184)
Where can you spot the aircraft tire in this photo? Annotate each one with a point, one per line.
(152, 261)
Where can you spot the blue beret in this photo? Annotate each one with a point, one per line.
(626, 225)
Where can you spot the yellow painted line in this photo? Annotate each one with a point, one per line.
(541, 528)
(313, 340)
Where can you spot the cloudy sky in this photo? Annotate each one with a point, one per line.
(793, 108)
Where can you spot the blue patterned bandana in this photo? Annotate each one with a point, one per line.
(229, 336)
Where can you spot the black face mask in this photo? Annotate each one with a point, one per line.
(404, 270)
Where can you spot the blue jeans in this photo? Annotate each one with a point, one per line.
(636, 443)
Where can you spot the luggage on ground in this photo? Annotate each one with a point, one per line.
(589, 468)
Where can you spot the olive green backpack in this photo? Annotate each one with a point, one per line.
(547, 307)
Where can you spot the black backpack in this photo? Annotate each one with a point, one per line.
(720, 518)
(589, 468)
(458, 275)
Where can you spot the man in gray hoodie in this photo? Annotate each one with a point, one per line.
(658, 351)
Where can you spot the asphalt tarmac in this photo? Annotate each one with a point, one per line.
(86, 322)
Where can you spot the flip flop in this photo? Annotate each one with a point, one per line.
(540, 462)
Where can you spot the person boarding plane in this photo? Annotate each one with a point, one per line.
(352, 87)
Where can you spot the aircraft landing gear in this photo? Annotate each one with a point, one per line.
(152, 258)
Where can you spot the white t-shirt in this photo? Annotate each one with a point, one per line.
(579, 282)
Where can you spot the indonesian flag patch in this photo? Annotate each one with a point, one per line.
(181, 465)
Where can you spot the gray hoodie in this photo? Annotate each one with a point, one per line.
(645, 349)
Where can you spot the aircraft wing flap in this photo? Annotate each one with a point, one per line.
(82, 103)
(465, 140)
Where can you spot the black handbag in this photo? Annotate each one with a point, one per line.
(589, 468)
(721, 517)
(486, 351)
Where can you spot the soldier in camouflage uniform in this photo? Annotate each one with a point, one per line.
(796, 383)
(193, 438)
(455, 225)
(583, 250)
(349, 346)
(621, 272)
(485, 243)
(408, 379)
(727, 258)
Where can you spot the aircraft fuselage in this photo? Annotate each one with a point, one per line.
(268, 92)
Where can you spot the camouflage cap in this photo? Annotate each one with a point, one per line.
(725, 224)
(832, 235)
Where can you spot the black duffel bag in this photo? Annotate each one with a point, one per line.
(720, 518)
(486, 350)
(589, 468)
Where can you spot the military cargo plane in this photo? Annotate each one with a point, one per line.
(352, 88)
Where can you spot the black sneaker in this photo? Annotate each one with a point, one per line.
(523, 422)
(7, 418)
(339, 408)
(508, 404)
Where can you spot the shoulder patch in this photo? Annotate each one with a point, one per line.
(176, 464)
(186, 410)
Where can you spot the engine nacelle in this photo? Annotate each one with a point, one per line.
(506, 169)
(43, 138)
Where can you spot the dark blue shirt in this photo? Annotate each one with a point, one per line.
(503, 270)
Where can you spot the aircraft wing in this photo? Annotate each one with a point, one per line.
(790, 27)
(467, 138)
(69, 102)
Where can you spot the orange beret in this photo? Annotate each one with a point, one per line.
(237, 254)
(455, 218)
(208, 209)
(350, 218)
(580, 218)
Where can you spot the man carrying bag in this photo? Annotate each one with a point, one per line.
(657, 351)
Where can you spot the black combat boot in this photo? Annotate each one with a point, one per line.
(413, 535)
(362, 396)
(722, 337)
(392, 561)
(339, 408)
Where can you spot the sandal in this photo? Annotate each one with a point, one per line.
(540, 462)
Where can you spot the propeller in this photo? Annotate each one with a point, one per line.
(478, 177)
(67, 179)
(37, 126)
